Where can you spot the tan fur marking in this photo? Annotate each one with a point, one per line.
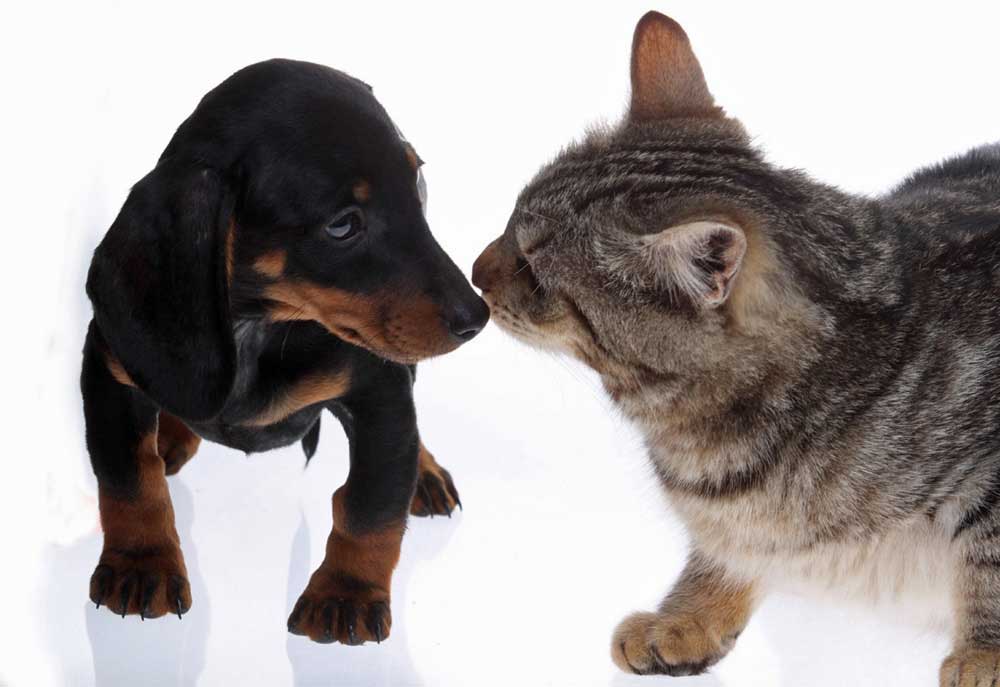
(131, 523)
(230, 250)
(370, 556)
(425, 459)
(362, 191)
(175, 442)
(435, 493)
(357, 570)
(404, 329)
(313, 388)
(117, 371)
(141, 544)
(271, 264)
(412, 157)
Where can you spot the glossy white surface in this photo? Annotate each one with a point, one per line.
(563, 532)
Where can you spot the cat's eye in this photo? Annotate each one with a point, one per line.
(347, 224)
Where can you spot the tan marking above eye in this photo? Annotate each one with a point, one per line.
(413, 158)
(271, 264)
(362, 191)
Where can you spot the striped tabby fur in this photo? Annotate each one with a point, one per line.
(816, 374)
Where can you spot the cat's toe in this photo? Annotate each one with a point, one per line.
(651, 644)
(971, 668)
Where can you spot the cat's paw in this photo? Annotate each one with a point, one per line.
(971, 668)
(658, 644)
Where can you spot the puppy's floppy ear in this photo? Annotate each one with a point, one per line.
(698, 259)
(667, 80)
(159, 288)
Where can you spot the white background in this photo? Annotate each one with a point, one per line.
(564, 531)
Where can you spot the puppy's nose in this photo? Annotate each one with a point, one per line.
(486, 268)
(468, 319)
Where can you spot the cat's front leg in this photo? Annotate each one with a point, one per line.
(975, 660)
(696, 625)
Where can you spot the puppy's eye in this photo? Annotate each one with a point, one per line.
(346, 224)
(422, 190)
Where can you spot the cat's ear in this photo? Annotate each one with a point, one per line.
(698, 259)
(667, 80)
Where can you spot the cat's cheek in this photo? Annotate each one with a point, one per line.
(531, 336)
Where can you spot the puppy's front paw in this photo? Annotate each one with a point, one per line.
(145, 582)
(651, 644)
(436, 493)
(971, 668)
(337, 608)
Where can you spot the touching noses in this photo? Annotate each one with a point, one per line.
(468, 318)
(486, 271)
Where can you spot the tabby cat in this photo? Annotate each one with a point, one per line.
(816, 374)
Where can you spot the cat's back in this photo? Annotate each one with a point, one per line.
(960, 194)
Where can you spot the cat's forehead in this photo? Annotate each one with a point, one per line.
(546, 205)
(600, 177)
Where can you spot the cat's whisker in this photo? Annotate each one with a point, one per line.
(540, 216)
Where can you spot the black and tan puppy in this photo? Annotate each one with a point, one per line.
(275, 263)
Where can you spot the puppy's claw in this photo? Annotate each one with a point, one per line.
(175, 591)
(328, 621)
(100, 584)
(296, 617)
(375, 621)
(425, 494)
(348, 618)
(125, 593)
(149, 586)
(450, 486)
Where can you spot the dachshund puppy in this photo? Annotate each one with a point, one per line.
(275, 263)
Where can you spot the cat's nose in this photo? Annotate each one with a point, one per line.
(486, 270)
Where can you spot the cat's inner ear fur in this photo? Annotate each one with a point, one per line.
(699, 260)
(667, 80)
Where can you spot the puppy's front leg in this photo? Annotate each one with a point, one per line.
(347, 598)
(141, 569)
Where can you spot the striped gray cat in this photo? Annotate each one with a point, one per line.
(816, 374)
